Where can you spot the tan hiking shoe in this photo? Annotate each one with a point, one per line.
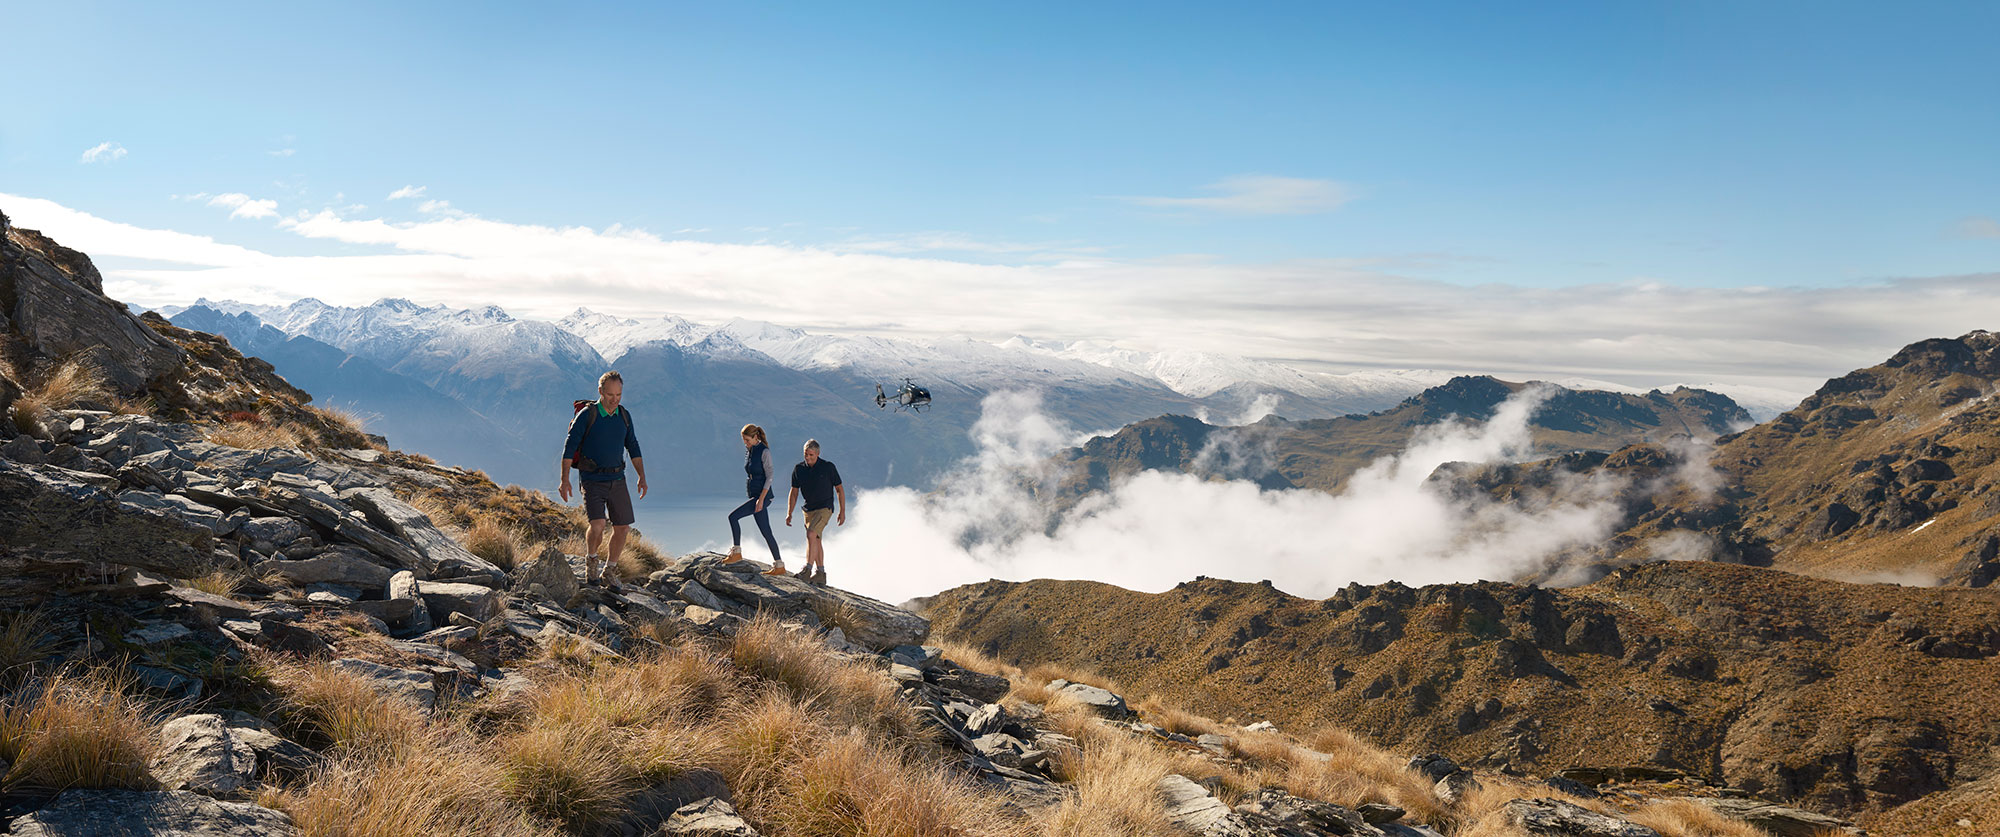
(819, 577)
(735, 555)
(776, 569)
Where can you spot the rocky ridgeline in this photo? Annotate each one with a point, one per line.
(115, 512)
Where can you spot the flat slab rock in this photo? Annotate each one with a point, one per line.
(150, 813)
(1556, 818)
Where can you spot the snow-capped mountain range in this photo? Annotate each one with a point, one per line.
(694, 384)
(393, 327)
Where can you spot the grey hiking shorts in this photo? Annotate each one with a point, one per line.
(608, 498)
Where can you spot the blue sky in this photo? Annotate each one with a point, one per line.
(1692, 145)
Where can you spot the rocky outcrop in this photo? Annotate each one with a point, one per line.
(55, 524)
(177, 813)
(1556, 818)
(742, 590)
(55, 309)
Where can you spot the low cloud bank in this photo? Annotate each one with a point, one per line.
(1156, 529)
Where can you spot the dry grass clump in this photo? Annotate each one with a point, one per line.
(794, 774)
(437, 508)
(1114, 775)
(641, 558)
(222, 583)
(343, 422)
(1173, 719)
(849, 693)
(79, 731)
(489, 539)
(1684, 818)
(1337, 766)
(343, 709)
(72, 383)
(440, 781)
(24, 641)
(253, 432)
(570, 773)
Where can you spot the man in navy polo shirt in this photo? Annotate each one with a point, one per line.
(819, 481)
(599, 437)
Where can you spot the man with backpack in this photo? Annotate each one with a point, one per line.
(599, 438)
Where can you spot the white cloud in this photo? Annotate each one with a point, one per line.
(437, 207)
(1157, 529)
(1330, 314)
(283, 152)
(1255, 194)
(1979, 227)
(243, 206)
(408, 192)
(102, 239)
(103, 152)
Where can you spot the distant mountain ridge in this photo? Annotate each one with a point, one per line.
(513, 379)
(1322, 453)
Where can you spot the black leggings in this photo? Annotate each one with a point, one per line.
(748, 509)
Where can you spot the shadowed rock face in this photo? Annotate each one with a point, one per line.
(53, 527)
(53, 307)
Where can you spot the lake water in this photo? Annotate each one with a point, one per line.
(681, 524)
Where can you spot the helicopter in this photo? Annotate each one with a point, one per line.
(909, 396)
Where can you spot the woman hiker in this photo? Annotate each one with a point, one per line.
(757, 466)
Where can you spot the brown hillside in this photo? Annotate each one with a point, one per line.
(1321, 454)
(1847, 697)
(1888, 473)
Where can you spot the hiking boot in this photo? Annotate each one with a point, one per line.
(819, 577)
(776, 569)
(735, 555)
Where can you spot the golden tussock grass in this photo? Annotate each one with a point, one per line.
(222, 583)
(1683, 818)
(489, 539)
(80, 731)
(849, 693)
(343, 710)
(1172, 719)
(24, 641)
(641, 558)
(437, 509)
(72, 383)
(1334, 765)
(252, 435)
(570, 773)
(1114, 776)
(340, 420)
(441, 781)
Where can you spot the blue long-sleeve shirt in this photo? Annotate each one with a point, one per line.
(606, 446)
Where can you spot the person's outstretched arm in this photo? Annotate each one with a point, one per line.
(791, 503)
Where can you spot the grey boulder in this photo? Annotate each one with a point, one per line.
(153, 813)
(1556, 818)
(200, 753)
